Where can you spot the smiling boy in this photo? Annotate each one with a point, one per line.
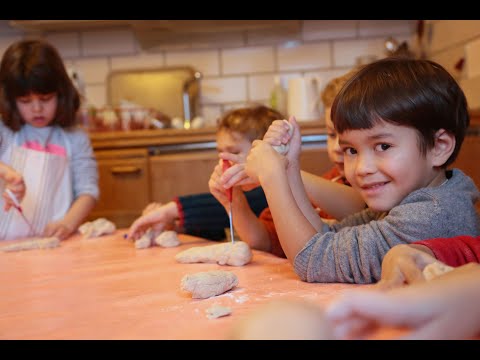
(401, 123)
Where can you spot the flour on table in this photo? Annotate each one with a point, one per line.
(237, 254)
(435, 269)
(216, 311)
(167, 239)
(285, 319)
(99, 227)
(32, 243)
(283, 148)
(206, 284)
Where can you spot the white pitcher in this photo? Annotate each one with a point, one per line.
(304, 98)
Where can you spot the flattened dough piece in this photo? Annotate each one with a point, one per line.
(216, 311)
(237, 254)
(145, 240)
(437, 268)
(206, 284)
(285, 319)
(99, 227)
(33, 243)
(167, 239)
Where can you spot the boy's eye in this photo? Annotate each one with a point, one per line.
(331, 135)
(382, 147)
(350, 151)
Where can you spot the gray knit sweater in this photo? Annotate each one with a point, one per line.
(352, 250)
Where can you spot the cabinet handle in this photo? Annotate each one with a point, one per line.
(125, 170)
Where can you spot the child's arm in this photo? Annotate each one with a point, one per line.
(443, 308)
(14, 182)
(159, 217)
(74, 217)
(266, 166)
(246, 223)
(338, 200)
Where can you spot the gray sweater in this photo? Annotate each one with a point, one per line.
(351, 251)
(82, 162)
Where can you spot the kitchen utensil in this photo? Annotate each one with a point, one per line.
(225, 166)
(17, 206)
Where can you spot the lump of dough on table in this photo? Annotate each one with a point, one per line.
(32, 243)
(437, 268)
(99, 227)
(145, 240)
(167, 239)
(206, 284)
(216, 311)
(237, 254)
(285, 319)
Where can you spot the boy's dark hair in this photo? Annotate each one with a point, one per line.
(419, 94)
(35, 66)
(252, 122)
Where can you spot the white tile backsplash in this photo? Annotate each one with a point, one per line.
(96, 95)
(224, 90)
(369, 28)
(346, 52)
(448, 33)
(247, 60)
(329, 29)
(260, 86)
(304, 57)
(205, 61)
(138, 61)
(472, 58)
(94, 70)
(67, 43)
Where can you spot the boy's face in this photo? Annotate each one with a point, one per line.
(334, 150)
(385, 164)
(235, 143)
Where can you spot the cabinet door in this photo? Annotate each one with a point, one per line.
(181, 174)
(124, 185)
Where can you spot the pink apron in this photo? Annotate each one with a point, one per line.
(49, 192)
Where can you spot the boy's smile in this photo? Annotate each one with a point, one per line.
(385, 164)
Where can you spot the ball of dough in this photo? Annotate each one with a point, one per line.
(283, 148)
(286, 319)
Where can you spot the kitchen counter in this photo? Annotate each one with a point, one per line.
(104, 288)
(191, 139)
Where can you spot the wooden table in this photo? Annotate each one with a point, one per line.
(104, 288)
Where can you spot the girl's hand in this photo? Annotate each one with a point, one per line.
(15, 183)
(59, 229)
(159, 218)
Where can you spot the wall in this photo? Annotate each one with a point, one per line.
(449, 41)
(237, 70)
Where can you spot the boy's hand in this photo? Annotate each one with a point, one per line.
(216, 187)
(281, 132)
(403, 264)
(60, 229)
(263, 161)
(159, 218)
(235, 175)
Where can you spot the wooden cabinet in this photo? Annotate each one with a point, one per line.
(124, 180)
(181, 174)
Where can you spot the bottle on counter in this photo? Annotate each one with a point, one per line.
(278, 97)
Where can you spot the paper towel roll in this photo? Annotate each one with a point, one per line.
(303, 99)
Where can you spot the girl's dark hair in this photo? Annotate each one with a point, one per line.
(419, 94)
(35, 66)
(252, 122)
